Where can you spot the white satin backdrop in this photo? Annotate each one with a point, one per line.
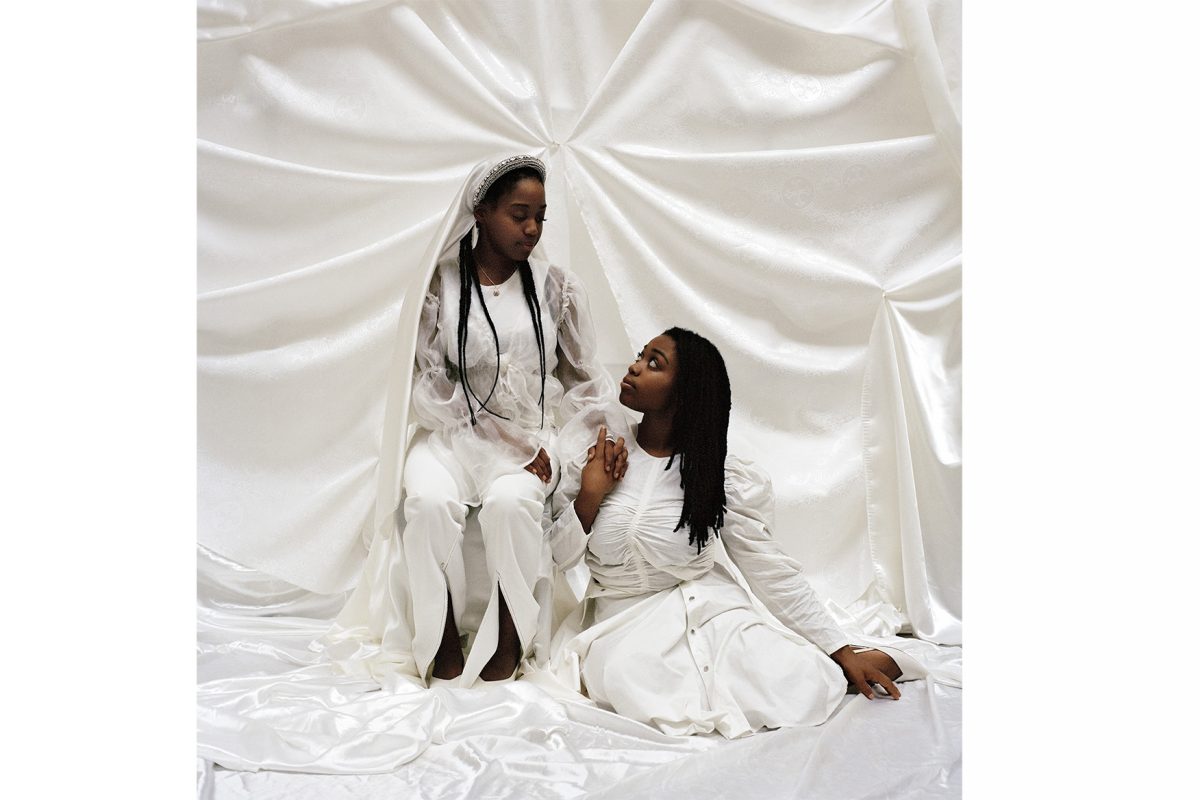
(782, 177)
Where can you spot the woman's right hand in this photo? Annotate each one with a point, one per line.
(606, 464)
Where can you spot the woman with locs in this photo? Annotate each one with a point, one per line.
(505, 352)
(666, 634)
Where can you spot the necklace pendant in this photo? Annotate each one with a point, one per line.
(495, 292)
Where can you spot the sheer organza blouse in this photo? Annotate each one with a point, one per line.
(510, 431)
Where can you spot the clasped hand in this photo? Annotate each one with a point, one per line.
(540, 466)
(607, 461)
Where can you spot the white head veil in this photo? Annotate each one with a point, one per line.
(460, 219)
(458, 222)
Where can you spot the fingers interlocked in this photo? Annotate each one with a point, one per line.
(616, 456)
(540, 466)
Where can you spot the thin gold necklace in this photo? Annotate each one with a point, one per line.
(495, 287)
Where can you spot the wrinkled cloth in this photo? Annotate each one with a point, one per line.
(786, 174)
(782, 177)
(268, 703)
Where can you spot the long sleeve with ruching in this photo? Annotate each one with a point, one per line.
(776, 578)
(436, 396)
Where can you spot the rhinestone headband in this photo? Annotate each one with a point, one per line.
(507, 165)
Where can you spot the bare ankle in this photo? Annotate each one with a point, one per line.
(448, 666)
(501, 665)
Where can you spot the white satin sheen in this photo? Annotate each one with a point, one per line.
(782, 177)
(269, 705)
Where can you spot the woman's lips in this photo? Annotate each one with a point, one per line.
(625, 384)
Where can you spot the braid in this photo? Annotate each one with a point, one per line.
(699, 433)
(535, 313)
(466, 266)
(469, 281)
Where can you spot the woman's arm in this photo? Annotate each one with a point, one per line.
(436, 398)
(585, 482)
(776, 578)
(490, 446)
(606, 463)
(583, 377)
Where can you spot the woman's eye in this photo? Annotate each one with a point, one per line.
(654, 362)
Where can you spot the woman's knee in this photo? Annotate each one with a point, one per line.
(514, 496)
(432, 507)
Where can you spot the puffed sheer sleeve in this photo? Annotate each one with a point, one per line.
(489, 447)
(566, 535)
(584, 379)
(436, 398)
(776, 578)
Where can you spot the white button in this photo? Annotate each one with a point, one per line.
(706, 669)
(692, 597)
(692, 631)
(442, 565)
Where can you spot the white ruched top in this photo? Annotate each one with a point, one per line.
(633, 548)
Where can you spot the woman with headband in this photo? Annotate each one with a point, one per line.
(505, 351)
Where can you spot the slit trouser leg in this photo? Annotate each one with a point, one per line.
(434, 515)
(510, 520)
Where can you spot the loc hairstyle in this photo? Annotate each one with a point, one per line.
(699, 433)
(469, 281)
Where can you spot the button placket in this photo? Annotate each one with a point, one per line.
(700, 655)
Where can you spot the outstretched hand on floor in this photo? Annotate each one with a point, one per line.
(863, 673)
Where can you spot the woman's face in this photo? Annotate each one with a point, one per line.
(649, 383)
(514, 225)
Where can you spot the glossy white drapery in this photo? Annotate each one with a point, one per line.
(781, 177)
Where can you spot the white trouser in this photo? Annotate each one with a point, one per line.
(510, 519)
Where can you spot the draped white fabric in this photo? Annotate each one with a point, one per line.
(782, 177)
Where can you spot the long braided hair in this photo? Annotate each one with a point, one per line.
(698, 436)
(469, 282)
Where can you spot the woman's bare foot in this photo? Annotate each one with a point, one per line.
(448, 661)
(503, 662)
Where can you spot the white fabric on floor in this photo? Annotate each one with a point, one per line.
(781, 177)
(276, 722)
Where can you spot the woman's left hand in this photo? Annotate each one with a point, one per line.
(861, 673)
(540, 465)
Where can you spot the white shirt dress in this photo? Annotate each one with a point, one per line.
(668, 636)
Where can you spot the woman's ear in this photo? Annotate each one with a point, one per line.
(478, 215)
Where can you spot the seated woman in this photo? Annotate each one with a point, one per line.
(666, 634)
